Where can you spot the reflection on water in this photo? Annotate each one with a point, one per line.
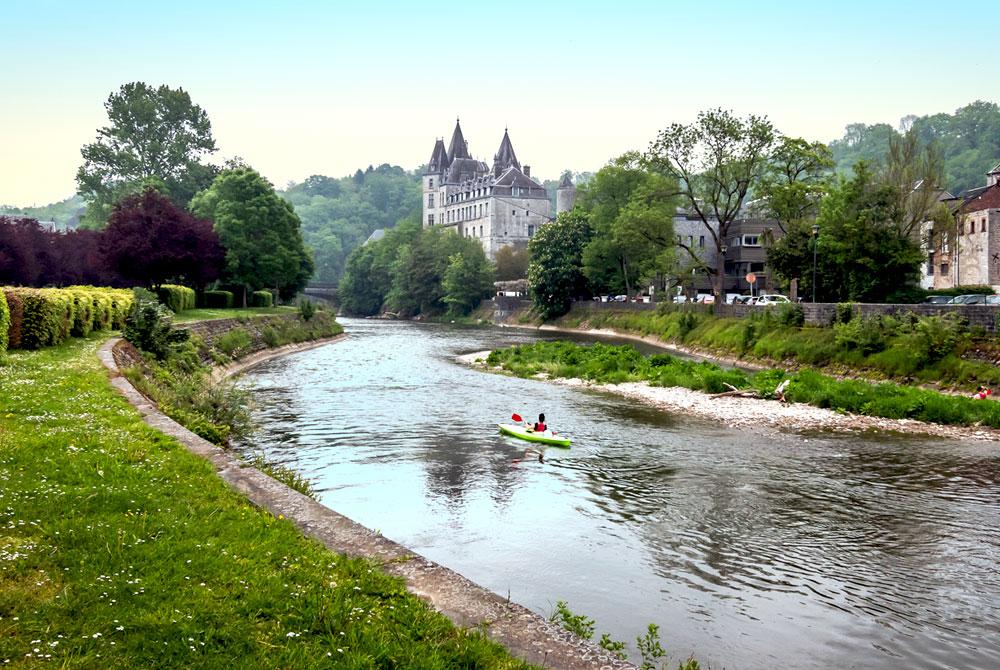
(750, 549)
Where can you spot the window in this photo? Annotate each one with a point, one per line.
(930, 263)
(701, 241)
(972, 227)
(430, 183)
(751, 240)
(430, 201)
(480, 210)
(513, 212)
(944, 268)
(480, 231)
(531, 231)
(982, 226)
(430, 219)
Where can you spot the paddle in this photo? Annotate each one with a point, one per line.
(516, 417)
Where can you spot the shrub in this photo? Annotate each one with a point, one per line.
(306, 309)
(149, 326)
(83, 312)
(4, 324)
(791, 314)
(866, 335)
(219, 299)
(270, 336)
(844, 313)
(261, 299)
(938, 336)
(177, 298)
(45, 318)
(16, 307)
(234, 343)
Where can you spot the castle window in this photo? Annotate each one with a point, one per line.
(430, 183)
(430, 219)
(430, 200)
(513, 212)
(531, 231)
(701, 241)
(480, 231)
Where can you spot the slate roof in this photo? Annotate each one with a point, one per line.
(439, 159)
(463, 169)
(505, 157)
(458, 148)
(514, 178)
(566, 182)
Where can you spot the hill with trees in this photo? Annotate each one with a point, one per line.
(968, 141)
(338, 215)
(65, 213)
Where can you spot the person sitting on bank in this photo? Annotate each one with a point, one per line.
(982, 393)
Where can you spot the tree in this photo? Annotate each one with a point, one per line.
(259, 232)
(555, 274)
(796, 177)
(915, 173)
(156, 137)
(861, 252)
(715, 161)
(467, 279)
(511, 263)
(149, 240)
(368, 276)
(630, 211)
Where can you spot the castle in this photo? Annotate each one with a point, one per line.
(499, 206)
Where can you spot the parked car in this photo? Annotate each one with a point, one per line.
(969, 299)
(937, 300)
(744, 300)
(771, 299)
(993, 300)
(705, 298)
(680, 299)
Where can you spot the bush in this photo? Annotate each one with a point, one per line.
(219, 299)
(791, 314)
(149, 326)
(845, 312)
(261, 299)
(867, 335)
(16, 307)
(177, 298)
(979, 289)
(4, 324)
(306, 309)
(234, 343)
(939, 336)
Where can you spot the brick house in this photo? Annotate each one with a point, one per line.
(972, 254)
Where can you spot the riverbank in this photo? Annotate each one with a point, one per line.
(755, 414)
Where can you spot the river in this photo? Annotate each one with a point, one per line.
(750, 549)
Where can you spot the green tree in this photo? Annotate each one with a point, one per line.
(715, 161)
(797, 175)
(156, 138)
(555, 274)
(368, 275)
(259, 231)
(467, 279)
(630, 212)
(862, 254)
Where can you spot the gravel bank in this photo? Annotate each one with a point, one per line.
(757, 414)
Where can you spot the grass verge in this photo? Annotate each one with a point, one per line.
(617, 364)
(118, 548)
(207, 313)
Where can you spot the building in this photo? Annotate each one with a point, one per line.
(971, 255)
(499, 205)
(746, 253)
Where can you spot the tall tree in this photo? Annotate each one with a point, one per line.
(797, 175)
(630, 211)
(151, 241)
(156, 137)
(716, 161)
(258, 230)
(555, 274)
(511, 263)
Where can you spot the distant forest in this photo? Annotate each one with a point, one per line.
(969, 141)
(338, 215)
(65, 213)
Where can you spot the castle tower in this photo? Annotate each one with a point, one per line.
(505, 157)
(458, 148)
(565, 195)
(433, 177)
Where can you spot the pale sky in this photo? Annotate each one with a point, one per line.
(301, 88)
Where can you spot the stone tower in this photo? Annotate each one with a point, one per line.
(565, 195)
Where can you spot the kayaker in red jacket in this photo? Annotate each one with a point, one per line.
(540, 426)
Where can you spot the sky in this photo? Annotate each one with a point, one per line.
(302, 88)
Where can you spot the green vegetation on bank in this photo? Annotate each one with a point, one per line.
(121, 549)
(906, 348)
(617, 364)
(210, 313)
(44, 317)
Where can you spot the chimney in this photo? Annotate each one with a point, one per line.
(527, 170)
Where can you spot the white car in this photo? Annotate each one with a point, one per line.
(771, 299)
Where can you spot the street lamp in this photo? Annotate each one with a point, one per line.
(722, 278)
(815, 244)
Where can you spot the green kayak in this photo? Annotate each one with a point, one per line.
(525, 433)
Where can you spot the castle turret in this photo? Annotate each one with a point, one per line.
(439, 159)
(565, 195)
(505, 157)
(458, 148)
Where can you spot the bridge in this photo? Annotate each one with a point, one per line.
(322, 292)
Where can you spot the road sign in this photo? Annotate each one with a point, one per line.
(751, 278)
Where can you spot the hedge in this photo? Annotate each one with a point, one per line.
(223, 299)
(4, 324)
(44, 317)
(177, 298)
(261, 299)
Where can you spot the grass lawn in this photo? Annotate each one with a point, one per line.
(204, 314)
(120, 549)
